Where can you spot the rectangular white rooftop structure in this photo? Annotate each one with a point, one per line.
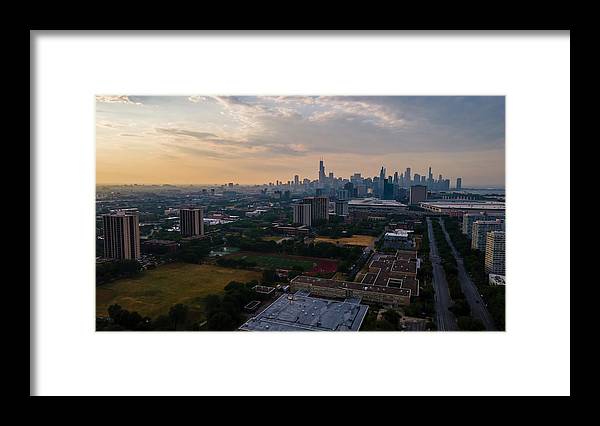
(490, 207)
(375, 202)
(300, 312)
(398, 233)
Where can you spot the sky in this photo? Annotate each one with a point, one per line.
(260, 139)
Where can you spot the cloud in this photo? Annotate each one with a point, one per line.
(196, 99)
(118, 99)
(183, 132)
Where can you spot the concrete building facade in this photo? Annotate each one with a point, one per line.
(480, 230)
(121, 235)
(418, 194)
(191, 222)
(302, 214)
(495, 257)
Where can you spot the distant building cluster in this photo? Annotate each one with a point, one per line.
(383, 186)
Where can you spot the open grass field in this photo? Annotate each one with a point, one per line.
(154, 292)
(280, 261)
(272, 238)
(355, 240)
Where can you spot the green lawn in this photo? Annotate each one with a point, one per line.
(154, 292)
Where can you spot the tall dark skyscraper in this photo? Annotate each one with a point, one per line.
(396, 180)
(407, 178)
(381, 181)
(458, 184)
(322, 175)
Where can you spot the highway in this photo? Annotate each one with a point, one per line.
(476, 303)
(444, 318)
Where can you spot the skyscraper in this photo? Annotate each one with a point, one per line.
(381, 181)
(191, 222)
(417, 179)
(322, 175)
(407, 178)
(121, 235)
(495, 252)
(396, 179)
(458, 184)
(296, 180)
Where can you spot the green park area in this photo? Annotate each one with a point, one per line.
(155, 291)
(277, 262)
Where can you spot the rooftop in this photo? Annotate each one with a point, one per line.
(398, 233)
(324, 282)
(473, 205)
(374, 202)
(299, 312)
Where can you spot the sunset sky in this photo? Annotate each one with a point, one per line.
(260, 139)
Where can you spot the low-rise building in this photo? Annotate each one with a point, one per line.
(301, 312)
(459, 208)
(375, 206)
(496, 279)
(346, 289)
(399, 239)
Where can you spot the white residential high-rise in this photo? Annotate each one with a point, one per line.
(480, 230)
(495, 252)
(467, 222)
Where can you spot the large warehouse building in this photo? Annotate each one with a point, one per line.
(490, 208)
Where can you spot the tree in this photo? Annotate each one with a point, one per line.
(221, 321)
(470, 324)
(178, 314)
(114, 311)
(269, 276)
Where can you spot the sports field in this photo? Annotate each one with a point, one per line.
(355, 240)
(154, 292)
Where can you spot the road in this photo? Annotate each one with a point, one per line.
(444, 318)
(476, 303)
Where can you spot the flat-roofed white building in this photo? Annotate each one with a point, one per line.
(376, 205)
(459, 208)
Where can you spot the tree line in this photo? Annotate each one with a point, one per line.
(474, 261)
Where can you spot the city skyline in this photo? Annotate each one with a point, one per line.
(184, 140)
